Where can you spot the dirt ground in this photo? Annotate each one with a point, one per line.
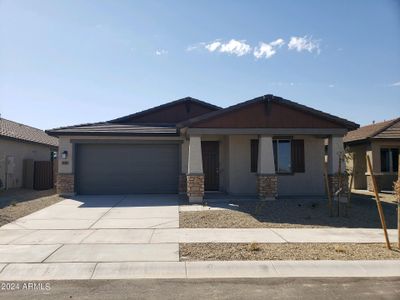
(292, 251)
(292, 213)
(17, 203)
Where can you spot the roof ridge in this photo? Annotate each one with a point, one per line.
(148, 110)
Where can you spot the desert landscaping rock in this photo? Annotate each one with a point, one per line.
(296, 251)
(15, 204)
(290, 213)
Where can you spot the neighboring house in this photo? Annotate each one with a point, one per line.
(381, 141)
(267, 146)
(20, 142)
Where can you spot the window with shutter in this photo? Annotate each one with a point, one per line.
(298, 164)
(253, 155)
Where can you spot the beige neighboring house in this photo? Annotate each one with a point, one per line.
(19, 142)
(381, 141)
(265, 147)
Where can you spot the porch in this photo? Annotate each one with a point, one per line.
(257, 165)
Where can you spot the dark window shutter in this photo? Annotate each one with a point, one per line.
(253, 155)
(298, 165)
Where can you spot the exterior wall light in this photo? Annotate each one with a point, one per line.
(64, 154)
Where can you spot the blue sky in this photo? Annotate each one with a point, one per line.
(71, 62)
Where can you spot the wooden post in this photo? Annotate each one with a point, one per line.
(328, 190)
(339, 180)
(378, 202)
(349, 191)
(398, 204)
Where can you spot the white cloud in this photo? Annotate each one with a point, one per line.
(236, 47)
(160, 52)
(304, 44)
(264, 50)
(277, 43)
(331, 85)
(268, 50)
(213, 46)
(395, 83)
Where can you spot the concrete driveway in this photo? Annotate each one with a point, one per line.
(90, 229)
(98, 212)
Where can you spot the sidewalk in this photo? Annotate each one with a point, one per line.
(216, 269)
(191, 235)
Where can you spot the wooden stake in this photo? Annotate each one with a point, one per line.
(378, 202)
(349, 190)
(398, 205)
(328, 190)
(339, 184)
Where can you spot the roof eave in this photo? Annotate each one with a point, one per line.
(86, 133)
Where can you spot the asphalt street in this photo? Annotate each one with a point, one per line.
(276, 288)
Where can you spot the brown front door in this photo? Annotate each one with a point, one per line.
(210, 152)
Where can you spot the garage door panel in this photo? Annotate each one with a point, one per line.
(125, 169)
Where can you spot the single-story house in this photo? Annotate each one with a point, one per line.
(19, 143)
(381, 141)
(266, 146)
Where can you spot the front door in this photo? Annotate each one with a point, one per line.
(210, 152)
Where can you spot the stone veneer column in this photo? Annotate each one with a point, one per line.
(195, 176)
(65, 184)
(267, 181)
(267, 187)
(195, 188)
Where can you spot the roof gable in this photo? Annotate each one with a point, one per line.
(383, 130)
(269, 112)
(390, 132)
(169, 113)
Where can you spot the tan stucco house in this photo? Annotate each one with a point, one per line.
(266, 146)
(18, 143)
(381, 141)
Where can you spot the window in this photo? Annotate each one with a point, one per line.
(283, 156)
(253, 155)
(288, 156)
(389, 159)
(385, 161)
(395, 160)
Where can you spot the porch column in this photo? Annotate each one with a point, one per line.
(65, 184)
(267, 181)
(195, 176)
(336, 154)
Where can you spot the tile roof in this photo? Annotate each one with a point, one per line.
(104, 128)
(385, 129)
(11, 129)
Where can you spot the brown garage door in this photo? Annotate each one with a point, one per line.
(127, 168)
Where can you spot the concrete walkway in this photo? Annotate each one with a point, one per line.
(188, 235)
(200, 269)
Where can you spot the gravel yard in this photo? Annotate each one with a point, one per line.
(295, 251)
(291, 213)
(17, 203)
